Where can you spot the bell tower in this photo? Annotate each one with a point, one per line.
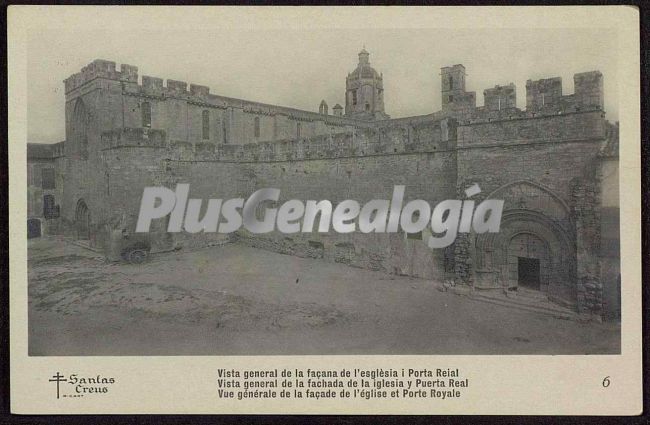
(454, 96)
(364, 94)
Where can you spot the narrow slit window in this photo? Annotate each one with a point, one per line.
(146, 114)
(257, 126)
(224, 130)
(206, 125)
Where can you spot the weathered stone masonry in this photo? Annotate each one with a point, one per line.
(123, 135)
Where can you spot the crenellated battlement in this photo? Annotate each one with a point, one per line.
(545, 95)
(199, 94)
(157, 88)
(360, 143)
(500, 97)
(100, 68)
(425, 137)
(589, 89)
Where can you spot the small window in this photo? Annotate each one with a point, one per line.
(48, 180)
(297, 129)
(257, 126)
(354, 97)
(146, 114)
(451, 82)
(367, 107)
(451, 98)
(206, 125)
(49, 209)
(224, 130)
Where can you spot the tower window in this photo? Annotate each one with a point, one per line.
(49, 209)
(206, 125)
(257, 126)
(354, 97)
(451, 82)
(80, 131)
(48, 181)
(146, 114)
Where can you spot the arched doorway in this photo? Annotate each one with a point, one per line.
(529, 251)
(82, 220)
(529, 262)
(535, 247)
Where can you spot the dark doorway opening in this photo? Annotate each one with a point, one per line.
(528, 269)
(33, 228)
(82, 220)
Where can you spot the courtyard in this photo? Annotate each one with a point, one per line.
(239, 300)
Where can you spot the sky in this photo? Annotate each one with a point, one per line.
(298, 66)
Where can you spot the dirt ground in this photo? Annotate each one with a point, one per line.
(240, 300)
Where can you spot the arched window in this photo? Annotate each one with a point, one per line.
(257, 126)
(354, 97)
(206, 125)
(82, 220)
(451, 82)
(79, 130)
(49, 209)
(146, 114)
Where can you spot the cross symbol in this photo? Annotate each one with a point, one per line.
(58, 378)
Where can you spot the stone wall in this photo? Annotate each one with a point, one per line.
(540, 160)
(42, 157)
(363, 165)
(179, 111)
(535, 165)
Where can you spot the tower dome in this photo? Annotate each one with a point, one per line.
(364, 96)
(364, 70)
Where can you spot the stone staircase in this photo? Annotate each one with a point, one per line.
(527, 300)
